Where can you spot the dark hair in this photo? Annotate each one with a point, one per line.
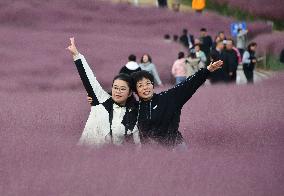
(149, 58)
(180, 55)
(203, 29)
(167, 36)
(175, 38)
(132, 57)
(251, 44)
(197, 44)
(184, 31)
(125, 77)
(139, 75)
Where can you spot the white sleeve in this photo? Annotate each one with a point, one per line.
(100, 93)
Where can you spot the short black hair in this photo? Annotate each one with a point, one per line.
(180, 55)
(132, 57)
(139, 75)
(127, 78)
(203, 29)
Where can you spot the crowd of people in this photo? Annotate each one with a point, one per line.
(119, 118)
(203, 50)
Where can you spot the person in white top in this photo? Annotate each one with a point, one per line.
(113, 118)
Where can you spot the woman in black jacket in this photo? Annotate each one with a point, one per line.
(159, 114)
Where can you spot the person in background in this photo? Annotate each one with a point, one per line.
(230, 61)
(222, 35)
(146, 64)
(218, 54)
(200, 54)
(131, 66)
(179, 70)
(205, 43)
(249, 61)
(198, 5)
(192, 64)
(187, 40)
(162, 3)
(241, 40)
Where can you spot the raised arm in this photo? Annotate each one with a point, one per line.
(92, 86)
(184, 91)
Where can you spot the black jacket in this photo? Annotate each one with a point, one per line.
(158, 118)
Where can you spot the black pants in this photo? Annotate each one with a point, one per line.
(233, 77)
(162, 3)
(248, 71)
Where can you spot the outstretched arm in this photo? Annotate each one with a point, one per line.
(182, 92)
(92, 86)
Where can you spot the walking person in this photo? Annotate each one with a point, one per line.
(249, 61)
(179, 70)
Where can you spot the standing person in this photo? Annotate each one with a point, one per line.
(112, 119)
(147, 65)
(205, 43)
(187, 40)
(241, 40)
(131, 66)
(201, 55)
(198, 5)
(249, 61)
(159, 114)
(218, 54)
(192, 64)
(231, 61)
(179, 70)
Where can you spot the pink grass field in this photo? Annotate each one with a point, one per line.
(234, 133)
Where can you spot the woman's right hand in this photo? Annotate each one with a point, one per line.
(90, 100)
(72, 48)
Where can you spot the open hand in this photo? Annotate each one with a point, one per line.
(72, 48)
(215, 65)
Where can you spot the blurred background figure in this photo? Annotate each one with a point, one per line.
(179, 70)
(200, 54)
(205, 43)
(131, 66)
(241, 40)
(215, 55)
(162, 3)
(198, 5)
(249, 61)
(186, 39)
(147, 65)
(231, 61)
(192, 64)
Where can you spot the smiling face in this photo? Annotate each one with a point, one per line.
(120, 91)
(145, 89)
(145, 58)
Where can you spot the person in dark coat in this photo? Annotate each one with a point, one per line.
(215, 55)
(230, 61)
(159, 114)
(187, 40)
(205, 43)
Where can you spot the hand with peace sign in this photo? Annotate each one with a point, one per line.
(72, 48)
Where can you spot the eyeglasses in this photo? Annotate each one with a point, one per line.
(119, 89)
